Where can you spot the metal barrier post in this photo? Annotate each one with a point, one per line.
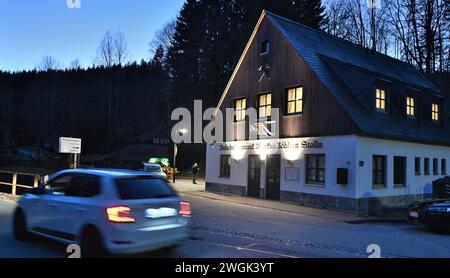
(36, 181)
(14, 184)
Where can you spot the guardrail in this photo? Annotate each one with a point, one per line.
(14, 177)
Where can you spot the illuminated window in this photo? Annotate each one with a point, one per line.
(295, 100)
(265, 106)
(240, 105)
(435, 112)
(380, 100)
(411, 106)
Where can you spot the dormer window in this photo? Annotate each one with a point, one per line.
(380, 100)
(410, 106)
(265, 106)
(265, 47)
(295, 101)
(435, 112)
(240, 105)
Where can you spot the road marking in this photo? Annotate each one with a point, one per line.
(333, 249)
(243, 248)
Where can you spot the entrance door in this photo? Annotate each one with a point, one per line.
(273, 177)
(253, 177)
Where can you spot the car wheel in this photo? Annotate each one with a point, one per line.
(92, 245)
(20, 226)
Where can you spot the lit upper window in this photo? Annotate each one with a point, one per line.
(265, 105)
(411, 106)
(240, 105)
(295, 100)
(380, 100)
(435, 112)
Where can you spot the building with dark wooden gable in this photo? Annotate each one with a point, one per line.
(357, 129)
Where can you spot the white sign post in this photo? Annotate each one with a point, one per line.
(70, 146)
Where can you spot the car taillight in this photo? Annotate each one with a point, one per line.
(120, 215)
(185, 209)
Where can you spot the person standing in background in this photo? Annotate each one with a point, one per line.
(195, 170)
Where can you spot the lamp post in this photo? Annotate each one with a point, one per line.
(181, 132)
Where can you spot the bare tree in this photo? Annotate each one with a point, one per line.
(112, 50)
(120, 48)
(422, 29)
(359, 21)
(338, 20)
(105, 51)
(163, 37)
(75, 65)
(48, 63)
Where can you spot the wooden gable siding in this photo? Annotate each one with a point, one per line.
(322, 115)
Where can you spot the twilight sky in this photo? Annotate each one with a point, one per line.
(30, 30)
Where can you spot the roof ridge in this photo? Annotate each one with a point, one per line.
(369, 51)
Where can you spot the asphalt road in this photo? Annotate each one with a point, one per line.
(228, 230)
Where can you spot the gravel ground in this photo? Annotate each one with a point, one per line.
(8, 197)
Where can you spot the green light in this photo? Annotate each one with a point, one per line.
(158, 160)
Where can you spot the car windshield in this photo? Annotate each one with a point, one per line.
(138, 188)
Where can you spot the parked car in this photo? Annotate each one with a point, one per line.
(154, 168)
(104, 211)
(435, 213)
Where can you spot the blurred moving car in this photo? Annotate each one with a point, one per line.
(154, 169)
(435, 213)
(104, 211)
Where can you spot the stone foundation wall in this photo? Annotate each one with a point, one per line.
(318, 201)
(225, 188)
(368, 205)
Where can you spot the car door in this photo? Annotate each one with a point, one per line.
(48, 209)
(75, 204)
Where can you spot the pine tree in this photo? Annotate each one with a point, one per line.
(183, 56)
(158, 58)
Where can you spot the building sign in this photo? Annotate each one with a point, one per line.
(69, 145)
(272, 145)
(312, 144)
(292, 174)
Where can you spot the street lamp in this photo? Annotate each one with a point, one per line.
(181, 132)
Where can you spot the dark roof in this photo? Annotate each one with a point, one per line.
(442, 81)
(312, 43)
(350, 73)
